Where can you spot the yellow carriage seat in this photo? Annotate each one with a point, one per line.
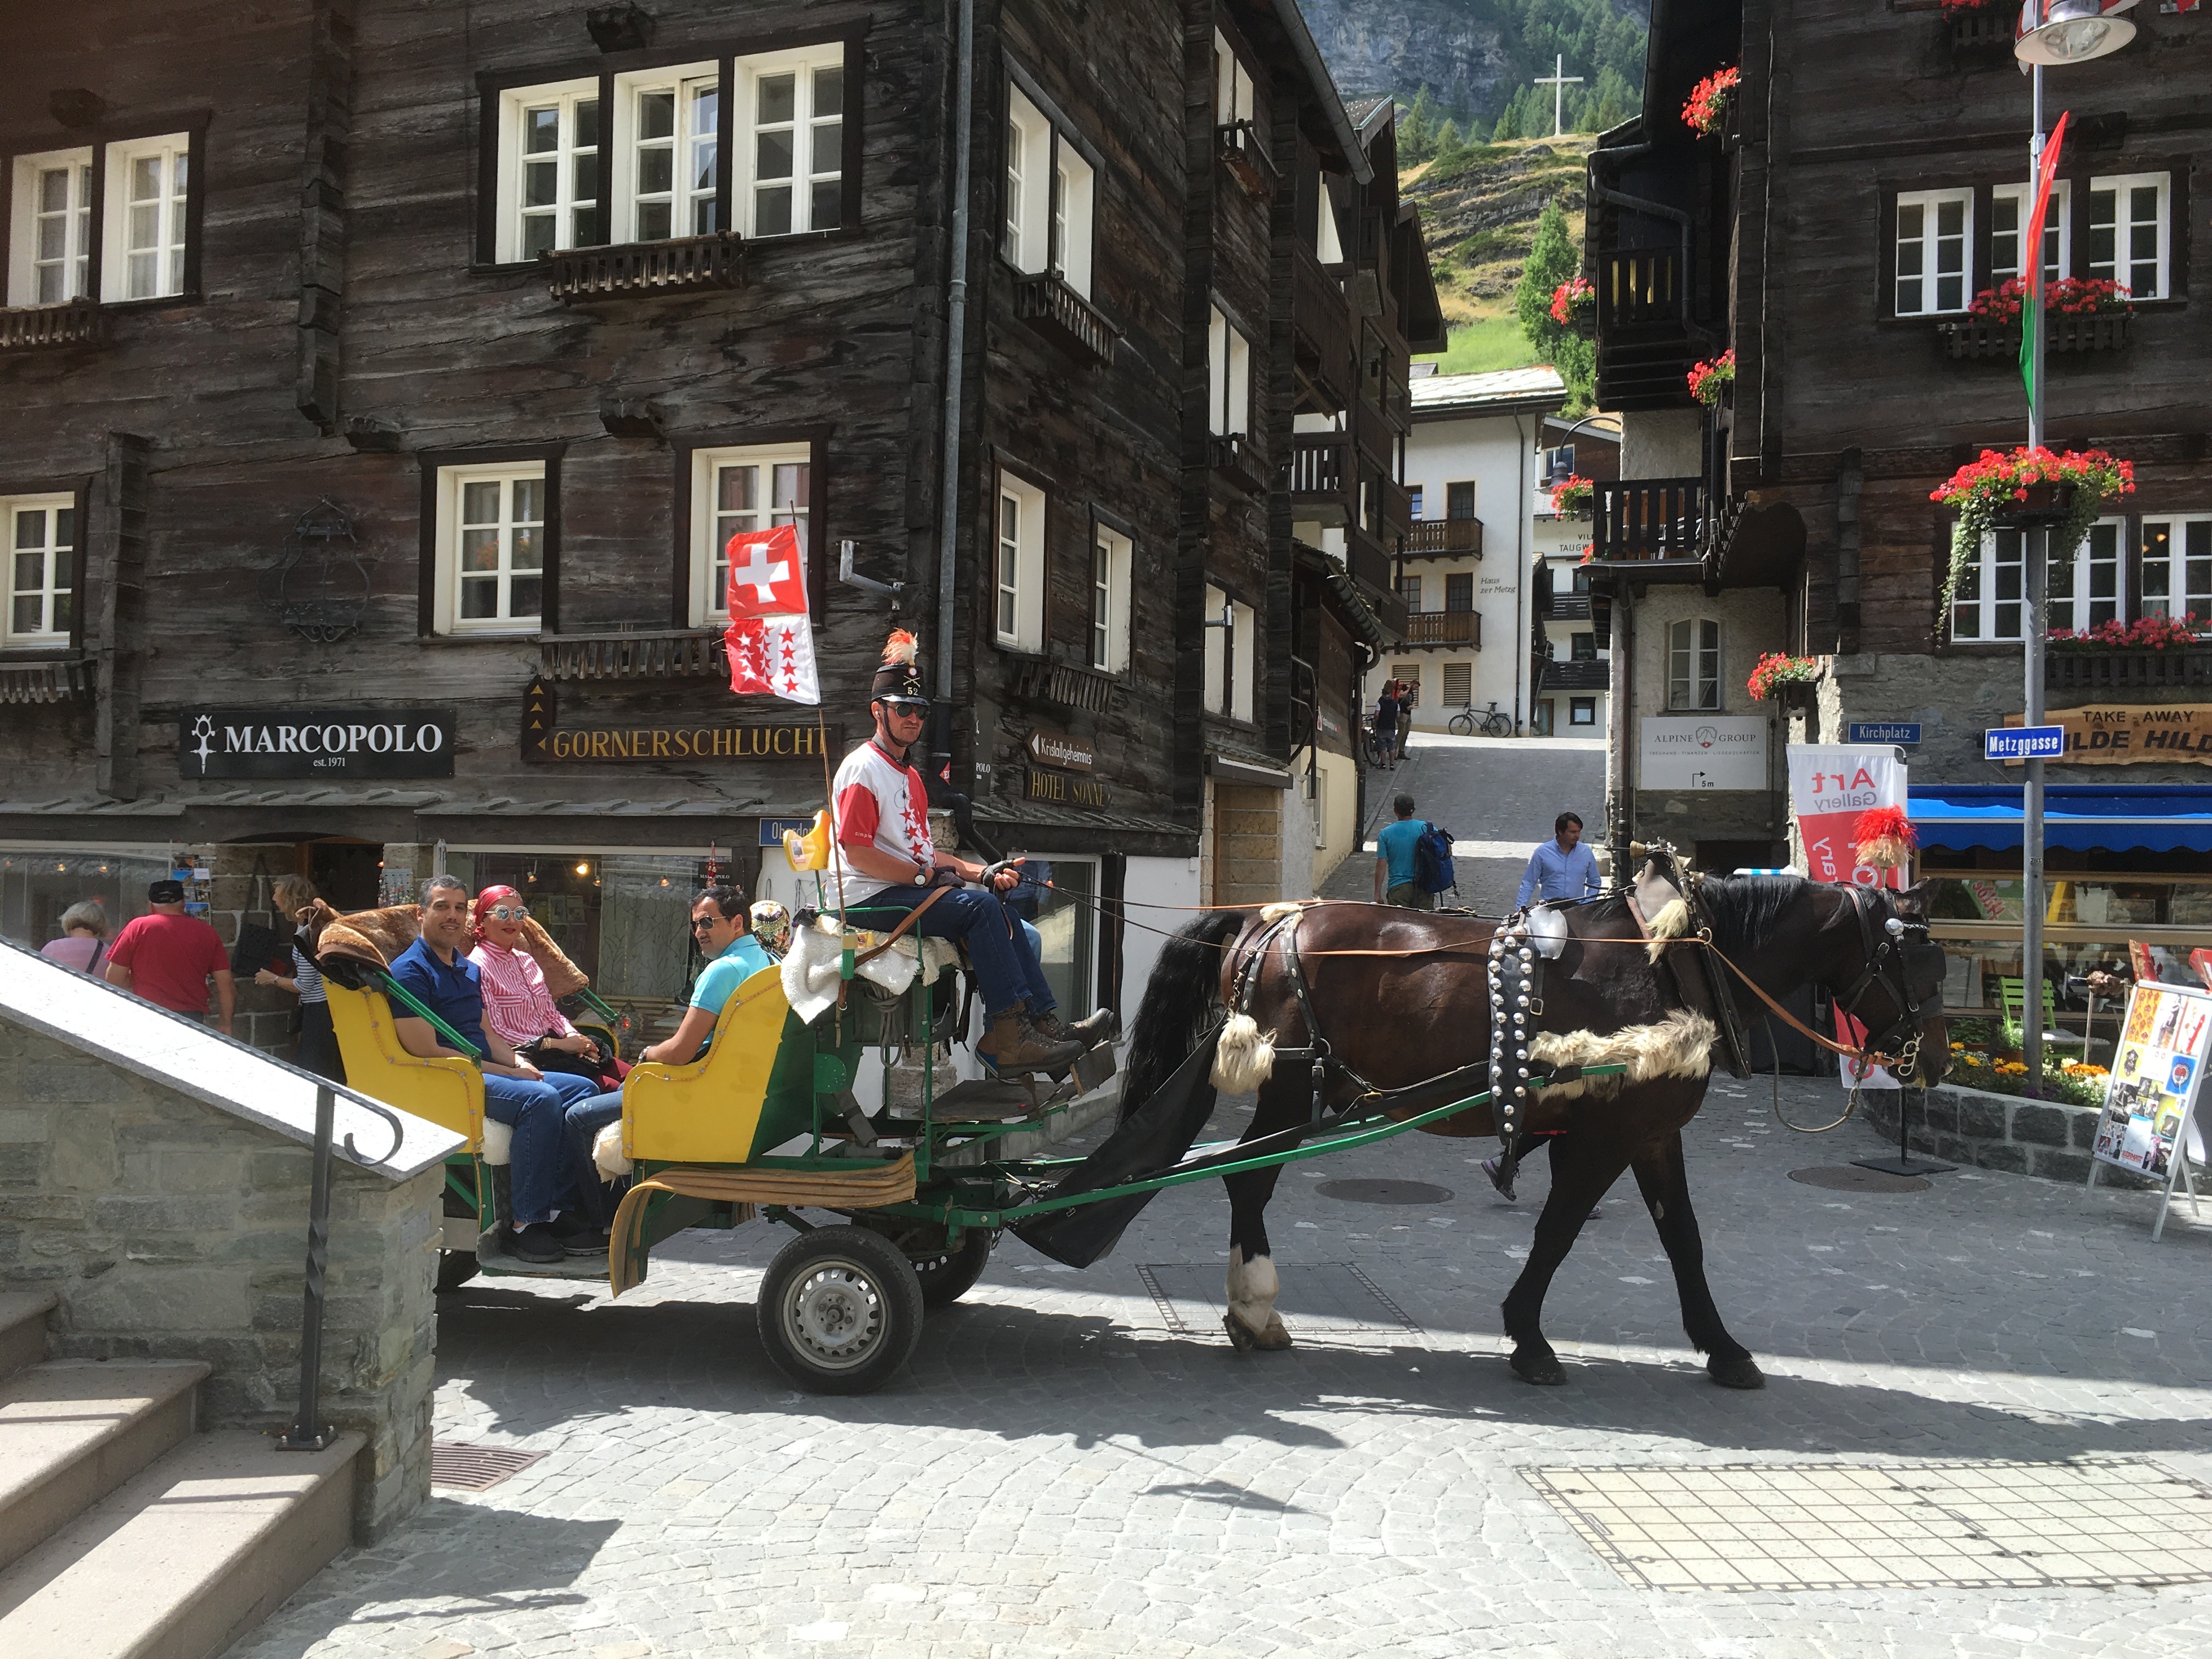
(448, 1092)
(752, 1091)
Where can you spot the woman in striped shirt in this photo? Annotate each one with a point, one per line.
(294, 899)
(516, 1003)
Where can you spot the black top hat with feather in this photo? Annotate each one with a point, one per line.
(899, 679)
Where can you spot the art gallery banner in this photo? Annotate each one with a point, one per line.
(1830, 785)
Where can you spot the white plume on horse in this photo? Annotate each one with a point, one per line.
(1673, 921)
(1245, 1058)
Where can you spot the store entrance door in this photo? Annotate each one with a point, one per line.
(349, 874)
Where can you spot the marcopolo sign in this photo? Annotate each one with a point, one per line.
(316, 742)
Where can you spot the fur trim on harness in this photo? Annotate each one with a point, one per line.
(1673, 921)
(1274, 913)
(1680, 1045)
(607, 1152)
(1245, 1058)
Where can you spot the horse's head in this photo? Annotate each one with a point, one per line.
(1896, 991)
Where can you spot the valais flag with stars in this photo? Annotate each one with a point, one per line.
(771, 642)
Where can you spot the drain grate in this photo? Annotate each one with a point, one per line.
(1318, 1301)
(1364, 1191)
(1851, 1178)
(476, 1468)
(2090, 1522)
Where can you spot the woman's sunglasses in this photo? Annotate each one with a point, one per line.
(506, 912)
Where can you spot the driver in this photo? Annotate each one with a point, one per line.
(890, 866)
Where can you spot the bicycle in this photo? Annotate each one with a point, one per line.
(1495, 724)
(1371, 747)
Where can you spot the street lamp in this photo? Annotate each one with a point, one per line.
(2050, 31)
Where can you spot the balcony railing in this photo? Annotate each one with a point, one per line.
(1576, 675)
(646, 656)
(1065, 317)
(30, 328)
(1649, 518)
(1564, 607)
(1243, 151)
(1460, 536)
(1987, 32)
(2124, 671)
(1639, 287)
(1320, 476)
(1321, 317)
(1234, 455)
(1459, 628)
(1977, 337)
(686, 265)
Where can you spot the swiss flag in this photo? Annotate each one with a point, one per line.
(767, 573)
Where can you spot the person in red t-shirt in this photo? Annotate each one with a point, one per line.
(167, 957)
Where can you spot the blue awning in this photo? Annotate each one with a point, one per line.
(2116, 817)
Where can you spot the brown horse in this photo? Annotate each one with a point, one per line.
(1398, 997)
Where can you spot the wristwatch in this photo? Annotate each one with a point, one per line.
(921, 873)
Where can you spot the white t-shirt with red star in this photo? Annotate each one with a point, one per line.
(882, 804)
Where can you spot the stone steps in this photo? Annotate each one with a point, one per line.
(124, 1533)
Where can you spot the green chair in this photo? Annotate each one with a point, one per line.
(2012, 1001)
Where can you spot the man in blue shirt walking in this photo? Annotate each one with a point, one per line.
(1394, 861)
(1562, 868)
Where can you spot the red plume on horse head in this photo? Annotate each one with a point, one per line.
(1884, 837)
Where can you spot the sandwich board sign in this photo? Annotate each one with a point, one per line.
(2150, 1124)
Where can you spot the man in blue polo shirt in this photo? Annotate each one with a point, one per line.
(1394, 861)
(435, 971)
(721, 923)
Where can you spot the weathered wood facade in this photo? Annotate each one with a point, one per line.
(267, 457)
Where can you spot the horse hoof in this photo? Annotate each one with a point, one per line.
(1245, 1340)
(1543, 1370)
(1742, 1372)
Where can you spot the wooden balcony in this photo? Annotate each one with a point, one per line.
(1397, 512)
(1244, 150)
(1461, 629)
(50, 679)
(688, 265)
(1983, 35)
(1979, 337)
(1649, 518)
(1576, 676)
(1367, 559)
(1321, 323)
(1460, 537)
(663, 655)
(2066, 669)
(1564, 607)
(1643, 347)
(34, 328)
(1236, 459)
(1066, 318)
(1319, 477)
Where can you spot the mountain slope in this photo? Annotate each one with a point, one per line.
(1479, 213)
(1476, 55)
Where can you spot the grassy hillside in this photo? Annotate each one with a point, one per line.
(1479, 210)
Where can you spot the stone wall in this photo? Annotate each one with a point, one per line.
(171, 1229)
(2047, 1138)
(1248, 843)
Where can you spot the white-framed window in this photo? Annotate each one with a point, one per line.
(1050, 198)
(142, 238)
(791, 140)
(549, 175)
(2088, 590)
(2081, 590)
(1935, 252)
(41, 569)
(2009, 208)
(667, 130)
(1228, 376)
(2128, 233)
(1328, 245)
(491, 547)
(2177, 566)
(1991, 595)
(1232, 83)
(1017, 565)
(1582, 711)
(1693, 663)
(1232, 657)
(1112, 561)
(735, 492)
(1459, 685)
(50, 243)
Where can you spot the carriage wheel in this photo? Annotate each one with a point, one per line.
(840, 1310)
(948, 1277)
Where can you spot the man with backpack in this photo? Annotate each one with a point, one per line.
(1412, 860)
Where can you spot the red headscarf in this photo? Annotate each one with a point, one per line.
(485, 900)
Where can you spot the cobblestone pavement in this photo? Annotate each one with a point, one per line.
(1061, 1472)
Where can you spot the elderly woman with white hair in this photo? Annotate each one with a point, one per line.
(84, 938)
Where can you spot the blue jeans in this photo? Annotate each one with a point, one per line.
(579, 1128)
(537, 1164)
(998, 941)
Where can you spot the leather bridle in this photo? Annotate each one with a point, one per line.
(1893, 962)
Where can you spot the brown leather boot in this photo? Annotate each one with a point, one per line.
(1103, 1026)
(1014, 1045)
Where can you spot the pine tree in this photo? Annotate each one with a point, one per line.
(1417, 133)
(1553, 258)
(1507, 126)
(1449, 152)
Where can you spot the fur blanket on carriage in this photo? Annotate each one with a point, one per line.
(350, 949)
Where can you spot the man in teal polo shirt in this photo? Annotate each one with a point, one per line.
(719, 920)
(1394, 861)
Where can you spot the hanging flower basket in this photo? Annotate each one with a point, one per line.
(1708, 103)
(1709, 382)
(1574, 305)
(1778, 670)
(2069, 489)
(1572, 496)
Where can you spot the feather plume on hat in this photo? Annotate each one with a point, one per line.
(900, 676)
(899, 646)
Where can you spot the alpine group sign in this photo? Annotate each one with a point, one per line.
(316, 742)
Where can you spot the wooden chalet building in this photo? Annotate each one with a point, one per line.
(381, 382)
(1869, 182)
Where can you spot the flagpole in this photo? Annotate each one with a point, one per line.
(2037, 560)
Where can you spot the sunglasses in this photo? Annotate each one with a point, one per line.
(701, 924)
(506, 912)
(905, 710)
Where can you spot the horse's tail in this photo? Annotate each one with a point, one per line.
(1179, 1002)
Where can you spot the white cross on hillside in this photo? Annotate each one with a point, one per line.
(760, 572)
(1558, 81)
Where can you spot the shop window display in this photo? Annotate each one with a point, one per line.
(36, 886)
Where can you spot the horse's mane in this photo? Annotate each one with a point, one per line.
(1747, 911)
